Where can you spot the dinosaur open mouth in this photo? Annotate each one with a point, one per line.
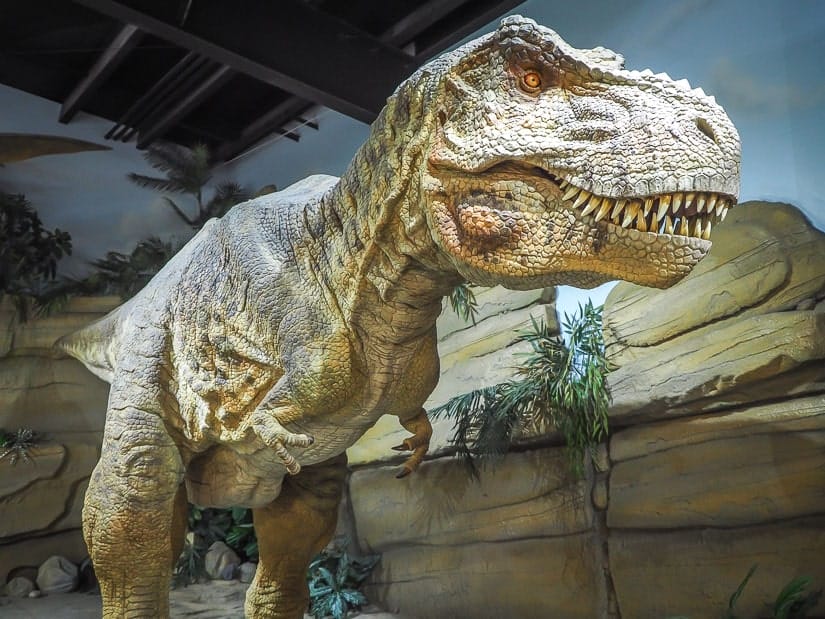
(682, 213)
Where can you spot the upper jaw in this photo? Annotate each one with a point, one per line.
(691, 214)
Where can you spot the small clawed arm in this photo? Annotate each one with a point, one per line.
(418, 443)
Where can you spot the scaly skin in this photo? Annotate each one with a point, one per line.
(280, 333)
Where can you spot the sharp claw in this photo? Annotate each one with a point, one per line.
(311, 439)
(399, 448)
(403, 473)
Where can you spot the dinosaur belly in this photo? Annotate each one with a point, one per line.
(224, 477)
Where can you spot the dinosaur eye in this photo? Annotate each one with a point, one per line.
(531, 81)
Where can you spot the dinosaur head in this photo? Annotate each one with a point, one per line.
(549, 164)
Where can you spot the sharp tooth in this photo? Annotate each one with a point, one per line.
(571, 191)
(683, 227)
(630, 214)
(712, 203)
(583, 196)
(592, 206)
(664, 205)
(603, 210)
(720, 207)
(617, 210)
(697, 230)
(706, 233)
(700, 204)
(563, 183)
(677, 202)
(723, 215)
(689, 198)
(641, 224)
(668, 225)
(647, 207)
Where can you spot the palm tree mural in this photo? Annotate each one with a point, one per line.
(187, 171)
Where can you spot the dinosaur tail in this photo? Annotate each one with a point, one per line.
(95, 345)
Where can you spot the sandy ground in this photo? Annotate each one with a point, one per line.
(213, 600)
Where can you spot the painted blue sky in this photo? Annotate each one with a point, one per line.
(762, 59)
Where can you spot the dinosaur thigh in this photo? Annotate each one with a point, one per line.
(222, 477)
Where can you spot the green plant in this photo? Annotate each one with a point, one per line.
(116, 274)
(734, 599)
(16, 445)
(463, 302)
(187, 171)
(334, 577)
(561, 383)
(793, 602)
(208, 525)
(28, 252)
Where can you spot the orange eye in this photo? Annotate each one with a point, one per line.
(531, 81)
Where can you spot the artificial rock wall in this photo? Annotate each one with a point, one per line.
(716, 459)
(41, 499)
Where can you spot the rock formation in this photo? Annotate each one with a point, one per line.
(716, 460)
(40, 499)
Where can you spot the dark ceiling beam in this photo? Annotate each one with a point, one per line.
(401, 33)
(128, 37)
(176, 90)
(149, 100)
(262, 127)
(477, 15)
(179, 110)
(406, 29)
(287, 44)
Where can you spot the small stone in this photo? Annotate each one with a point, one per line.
(19, 587)
(221, 560)
(35, 594)
(57, 575)
(246, 572)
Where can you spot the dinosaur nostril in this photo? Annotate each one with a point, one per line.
(705, 128)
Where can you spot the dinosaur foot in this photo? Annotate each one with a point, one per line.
(274, 435)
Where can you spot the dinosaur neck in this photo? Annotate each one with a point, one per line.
(381, 262)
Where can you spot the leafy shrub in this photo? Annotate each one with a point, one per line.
(334, 577)
(16, 445)
(28, 252)
(207, 525)
(561, 384)
(793, 602)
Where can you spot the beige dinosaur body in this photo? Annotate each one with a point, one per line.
(281, 332)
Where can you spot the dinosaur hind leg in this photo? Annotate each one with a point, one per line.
(128, 513)
(291, 530)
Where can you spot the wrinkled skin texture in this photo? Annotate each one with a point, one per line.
(281, 332)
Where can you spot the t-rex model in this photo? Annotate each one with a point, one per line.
(280, 333)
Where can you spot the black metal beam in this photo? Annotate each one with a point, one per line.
(140, 109)
(463, 23)
(202, 91)
(262, 127)
(287, 44)
(406, 29)
(398, 35)
(118, 49)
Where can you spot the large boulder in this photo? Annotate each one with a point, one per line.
(57, 575)
(746, 325)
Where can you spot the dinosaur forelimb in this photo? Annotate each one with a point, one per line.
(418, 443)
(279, 438)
